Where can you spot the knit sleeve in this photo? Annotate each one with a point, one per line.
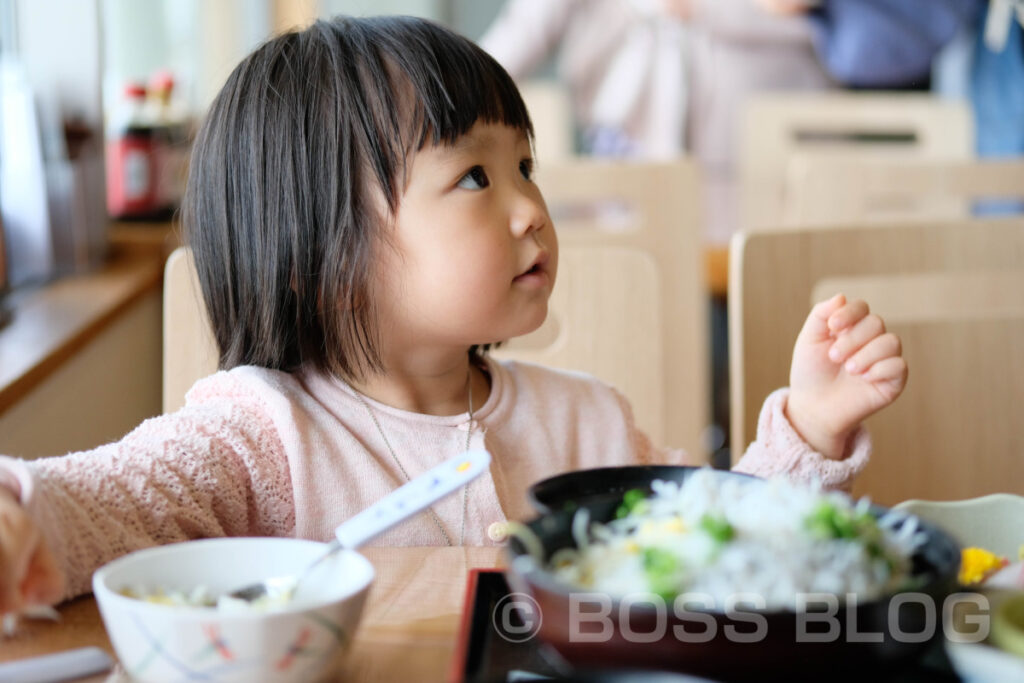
(215, 468)
(779, 450)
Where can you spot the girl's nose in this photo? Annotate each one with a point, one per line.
(529, 214)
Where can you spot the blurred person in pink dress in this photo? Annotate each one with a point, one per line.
(655, 79)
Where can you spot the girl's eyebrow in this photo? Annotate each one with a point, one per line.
(473, 142)
(470, 143)
(463, 146)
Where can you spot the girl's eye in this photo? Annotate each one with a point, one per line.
(475, 179)
(526, 168)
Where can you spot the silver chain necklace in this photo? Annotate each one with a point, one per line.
(469, 434)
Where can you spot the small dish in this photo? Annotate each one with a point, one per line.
(981, 663)
(994, 522)
(1008, 626)
(303, 640)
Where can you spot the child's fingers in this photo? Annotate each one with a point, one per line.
(892, 370)
(879, 348)
(44, 584)
(816, 326)
(848, 315)
(852, 339)
(10, 595)
(19, 541)
(14, 562)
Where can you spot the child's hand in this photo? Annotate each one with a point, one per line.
(845, 368)
(28, 573)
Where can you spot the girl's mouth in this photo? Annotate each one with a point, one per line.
(535, 268)
(536, 275)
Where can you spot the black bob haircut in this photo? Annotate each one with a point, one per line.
(278, 207)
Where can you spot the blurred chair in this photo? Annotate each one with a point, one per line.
(825, 189)
(897, 125)
(954, 292)
(190, 352)
(629, 305)
(550, 110)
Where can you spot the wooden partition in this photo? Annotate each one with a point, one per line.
(954, 292)
(629, 305)
(836, 189)
(897, 125)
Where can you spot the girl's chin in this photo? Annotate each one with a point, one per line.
(542, 331)
(515, 341)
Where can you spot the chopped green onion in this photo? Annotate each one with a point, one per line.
(827, 521)
(661, 568)
(717, 528)
(633, 500)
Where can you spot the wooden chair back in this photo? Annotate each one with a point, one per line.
(954, 292)
(190, 352)
(550, 110)
(824, 189)
(629, 304)
(775, 127)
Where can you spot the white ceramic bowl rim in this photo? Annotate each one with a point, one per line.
(991, 521)
(964, 502)
(102, 577)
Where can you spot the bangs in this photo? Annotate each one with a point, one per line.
(458, 87)
(450, 84)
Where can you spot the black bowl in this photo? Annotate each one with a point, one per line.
(605, 485)
(856, 637)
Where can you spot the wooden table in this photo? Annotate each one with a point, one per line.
(408, 631)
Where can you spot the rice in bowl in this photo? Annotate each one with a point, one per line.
(717, 537)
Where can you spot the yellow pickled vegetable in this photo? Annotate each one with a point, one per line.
(976, 564)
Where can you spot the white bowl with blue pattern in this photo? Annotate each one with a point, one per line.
(304, 640)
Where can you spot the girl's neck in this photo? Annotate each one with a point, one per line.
(430, 389)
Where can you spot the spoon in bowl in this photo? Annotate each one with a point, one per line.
(402, 503)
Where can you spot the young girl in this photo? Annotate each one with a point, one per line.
(364, 222)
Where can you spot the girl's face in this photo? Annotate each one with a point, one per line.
(473, 252)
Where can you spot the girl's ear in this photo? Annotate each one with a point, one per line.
(340, 299)
(343, 301)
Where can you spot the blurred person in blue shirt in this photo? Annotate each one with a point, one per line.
(970, 49)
